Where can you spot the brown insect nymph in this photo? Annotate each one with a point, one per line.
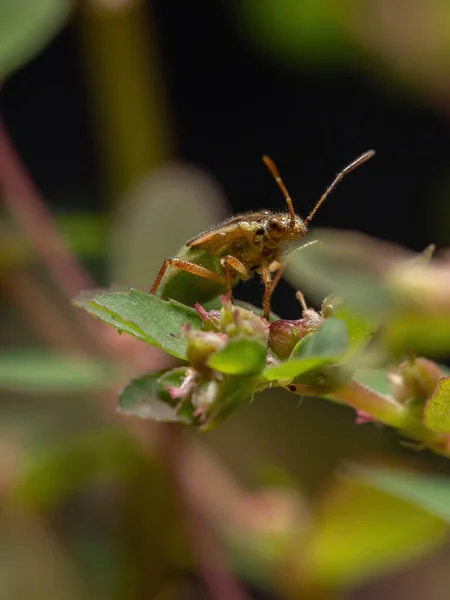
(214, 261)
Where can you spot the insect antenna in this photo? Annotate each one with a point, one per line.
(348, 169)
(276, 175)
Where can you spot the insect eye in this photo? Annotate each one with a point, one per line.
(275, 224)
(260, 231)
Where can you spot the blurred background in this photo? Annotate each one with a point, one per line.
(142, 123)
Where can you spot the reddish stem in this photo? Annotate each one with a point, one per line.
(380, 407)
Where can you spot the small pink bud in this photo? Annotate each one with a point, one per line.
(284, 335)
(210, 318)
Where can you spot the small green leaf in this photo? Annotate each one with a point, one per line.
(233, 393)
(437, 409)
(37, 371)
(147, 397)
(329, 340)
(26, 26)
(375, 379)
(240, 357)
(145, 316)
(293, 368)
(359, 329)
(321, 347)
(428, 492)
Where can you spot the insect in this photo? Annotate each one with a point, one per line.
(214, 261)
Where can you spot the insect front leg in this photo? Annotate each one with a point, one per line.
(230, 264)
(267, 280)
(189, 267)
(279, 268)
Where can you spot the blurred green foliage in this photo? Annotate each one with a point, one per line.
(404, 44)
(309, 31)
(26, 27)
(33, 371)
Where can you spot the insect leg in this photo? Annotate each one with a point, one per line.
(189, 267)
(279, 268)
(267, 280)
(230, 264)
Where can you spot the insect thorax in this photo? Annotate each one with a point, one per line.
(252, 238)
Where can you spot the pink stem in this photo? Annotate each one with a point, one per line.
(380, 407)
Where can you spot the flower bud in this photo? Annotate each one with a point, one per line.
(210, 318)
(204, 396)
(200, 346)
(284, 335)
(246, 324)
(234, 321)
(414, 379)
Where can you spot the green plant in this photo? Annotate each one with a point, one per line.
(351, 351)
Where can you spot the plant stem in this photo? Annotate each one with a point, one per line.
(122, 62)
(381, 408)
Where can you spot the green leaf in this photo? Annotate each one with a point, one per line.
(375, 379)
(147, 317)
(147, 397)
(321, 347)
(346, 264)
(359, 329)
(37, 371)
(437, 409)
(362, 532)
(329, 340)
(26, 26)
(431, 493)
(293, 368)
(240, 357)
